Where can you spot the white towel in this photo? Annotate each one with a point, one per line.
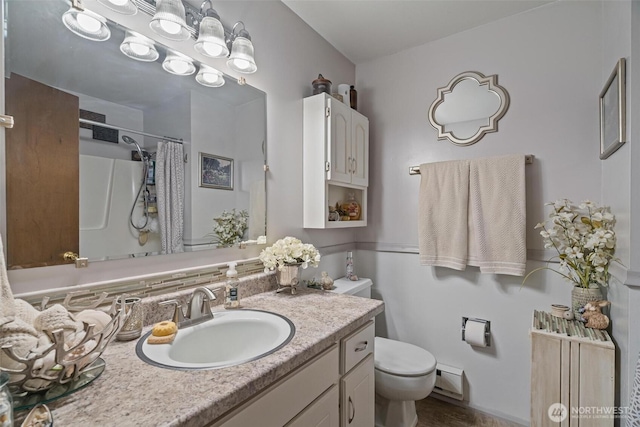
(497, 215)
(473, 213)
(443, 211)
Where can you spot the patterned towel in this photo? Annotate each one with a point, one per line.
(497, 215)
(633, 417)
(443, 210)
(473, 212)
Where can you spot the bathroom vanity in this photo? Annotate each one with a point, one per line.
(330, 358)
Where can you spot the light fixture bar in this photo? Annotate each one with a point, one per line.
(149, 8)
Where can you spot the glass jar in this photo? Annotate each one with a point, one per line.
(352, 207)
(6, 402)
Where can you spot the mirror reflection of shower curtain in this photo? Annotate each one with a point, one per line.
(170, 194)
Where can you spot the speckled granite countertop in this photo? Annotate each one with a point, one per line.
(131, 392)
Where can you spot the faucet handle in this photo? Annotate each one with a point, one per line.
(178, 315)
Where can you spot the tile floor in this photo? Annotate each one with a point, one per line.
(433, 412)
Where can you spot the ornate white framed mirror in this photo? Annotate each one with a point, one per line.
(468, 108)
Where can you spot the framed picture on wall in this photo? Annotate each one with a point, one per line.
(216, 171)
(613, 112)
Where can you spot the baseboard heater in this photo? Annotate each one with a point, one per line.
(449, 381)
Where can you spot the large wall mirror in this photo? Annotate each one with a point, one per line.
(93, 126)
(468, 108)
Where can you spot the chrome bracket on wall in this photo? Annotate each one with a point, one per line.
(6, 121)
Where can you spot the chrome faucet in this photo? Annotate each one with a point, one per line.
(198, 308)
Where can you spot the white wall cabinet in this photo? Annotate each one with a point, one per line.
(335, 160)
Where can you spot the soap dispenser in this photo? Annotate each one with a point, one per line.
(231, 295)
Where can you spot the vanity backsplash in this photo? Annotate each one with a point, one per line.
(162, 286)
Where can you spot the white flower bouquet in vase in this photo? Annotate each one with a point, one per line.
(287, 256)
(585, 241)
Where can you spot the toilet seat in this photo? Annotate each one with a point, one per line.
(402, 359)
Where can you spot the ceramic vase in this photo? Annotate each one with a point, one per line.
(288, 278)
(581, 296)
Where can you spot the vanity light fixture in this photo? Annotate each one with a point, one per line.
(178, 64)
(139, 47)
(169, 20)
(241, 58)
(174, 20)
(211, 40)
(125, 7)
(209, 76)
(86, 24)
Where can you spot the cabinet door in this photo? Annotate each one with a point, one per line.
(357, 396)
(359, 149)
(339, 143)
(321, 413)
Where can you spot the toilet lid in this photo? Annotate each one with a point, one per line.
(402, 359)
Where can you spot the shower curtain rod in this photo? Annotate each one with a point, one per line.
(137, 132)
(415, 170)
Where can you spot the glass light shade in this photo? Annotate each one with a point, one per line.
(125, 7)
(86, 24)
(209, 76)
(211, 39)
(241, 58)
(179, 65)
(168, 20)
(139, 47)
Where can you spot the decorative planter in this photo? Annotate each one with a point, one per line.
(288, 278)
(581, 296)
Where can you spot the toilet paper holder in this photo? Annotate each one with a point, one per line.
(487, 329)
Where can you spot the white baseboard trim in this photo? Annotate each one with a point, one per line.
(497, 414)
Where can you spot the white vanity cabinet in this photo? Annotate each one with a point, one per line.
(334, 389)
(335, 160)
(299, 395)
(357, 385)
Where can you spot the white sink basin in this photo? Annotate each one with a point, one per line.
(230, 338)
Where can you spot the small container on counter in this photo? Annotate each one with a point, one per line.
(231, 295)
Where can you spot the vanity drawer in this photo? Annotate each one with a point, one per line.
(357, 346)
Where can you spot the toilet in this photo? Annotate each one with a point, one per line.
(404, 372)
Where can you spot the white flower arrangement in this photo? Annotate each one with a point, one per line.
(230, 226)
(585, 241)
(289, 251)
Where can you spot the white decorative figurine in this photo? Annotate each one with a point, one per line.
(326, 281)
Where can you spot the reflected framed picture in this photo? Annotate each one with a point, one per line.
(613, 112)
(216, 171)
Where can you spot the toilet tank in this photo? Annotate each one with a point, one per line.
(359, 288)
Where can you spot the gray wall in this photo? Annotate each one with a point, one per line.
(553, 61)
